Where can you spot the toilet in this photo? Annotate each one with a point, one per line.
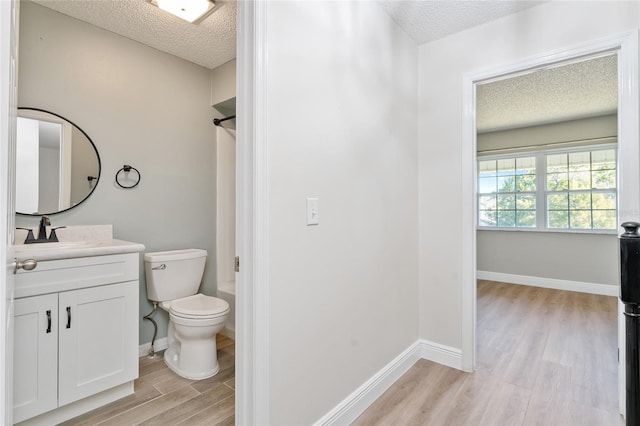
(173, 278)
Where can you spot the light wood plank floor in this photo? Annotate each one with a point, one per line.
(163, 398)
(544, 357)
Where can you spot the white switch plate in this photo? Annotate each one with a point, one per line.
(313, 212)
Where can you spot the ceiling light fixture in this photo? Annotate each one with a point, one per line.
(192, 11)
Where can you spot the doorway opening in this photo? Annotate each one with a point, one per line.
(625, 49)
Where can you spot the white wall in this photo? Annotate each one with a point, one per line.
(443, 63)
(140, 107)
(341, 110)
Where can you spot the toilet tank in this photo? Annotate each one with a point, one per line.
(173, 274)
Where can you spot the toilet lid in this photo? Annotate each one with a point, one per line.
(199, 305)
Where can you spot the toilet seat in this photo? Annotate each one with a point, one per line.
(197, 306)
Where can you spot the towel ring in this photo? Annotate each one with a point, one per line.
(126, 169)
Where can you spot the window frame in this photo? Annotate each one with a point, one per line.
(540, 153)
(514, 157)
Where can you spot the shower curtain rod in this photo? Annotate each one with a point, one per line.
(217, 121)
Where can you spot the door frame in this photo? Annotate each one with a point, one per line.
(252, 217)
(626, 46)
(9, 16)
(252, 396)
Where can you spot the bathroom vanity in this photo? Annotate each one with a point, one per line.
(75, 328)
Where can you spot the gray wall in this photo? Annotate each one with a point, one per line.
(84, 164)
(140, 107)
(223, 82)
(589, 258)
(579, 257)
(575, 130)
(49, 189)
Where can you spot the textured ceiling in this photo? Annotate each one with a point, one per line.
(578, 90)
(213, 41)
(550, 95)
(428, 20)
(210, 43)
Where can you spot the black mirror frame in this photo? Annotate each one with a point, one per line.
(97, 179)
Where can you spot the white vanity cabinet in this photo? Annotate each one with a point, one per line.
(97, 339)
(76, 336)
(35, 356)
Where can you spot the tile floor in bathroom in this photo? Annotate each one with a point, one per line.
(163, 398)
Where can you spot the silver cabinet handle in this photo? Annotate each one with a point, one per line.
(27, 265)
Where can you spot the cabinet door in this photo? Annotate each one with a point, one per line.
(35, 356)
(98, 339)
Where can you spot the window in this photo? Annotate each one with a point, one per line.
(507, 192)
(553, 190)
(581, 190)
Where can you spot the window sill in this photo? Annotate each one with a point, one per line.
(549, 231)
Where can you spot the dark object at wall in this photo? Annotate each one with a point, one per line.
(630, 296)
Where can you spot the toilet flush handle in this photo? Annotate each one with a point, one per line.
(161, 267)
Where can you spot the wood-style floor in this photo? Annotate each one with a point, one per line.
(544, 357)
(164, 398)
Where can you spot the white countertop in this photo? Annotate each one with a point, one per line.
(75, 249)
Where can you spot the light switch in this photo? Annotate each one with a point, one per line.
(313, 212)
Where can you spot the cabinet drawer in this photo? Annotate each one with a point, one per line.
(52, 276)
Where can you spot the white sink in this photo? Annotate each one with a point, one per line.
(58, 245)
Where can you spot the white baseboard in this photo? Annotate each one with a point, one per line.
(441, 354)
(159, 345)
(356, 403)
(84, 405)
(582, 287)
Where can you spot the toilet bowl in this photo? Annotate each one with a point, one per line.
(173, 278)
(194, 322)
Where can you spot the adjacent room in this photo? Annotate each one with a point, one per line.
(159, 173)
(547, 236)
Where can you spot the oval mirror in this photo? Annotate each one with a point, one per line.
(57, 164)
